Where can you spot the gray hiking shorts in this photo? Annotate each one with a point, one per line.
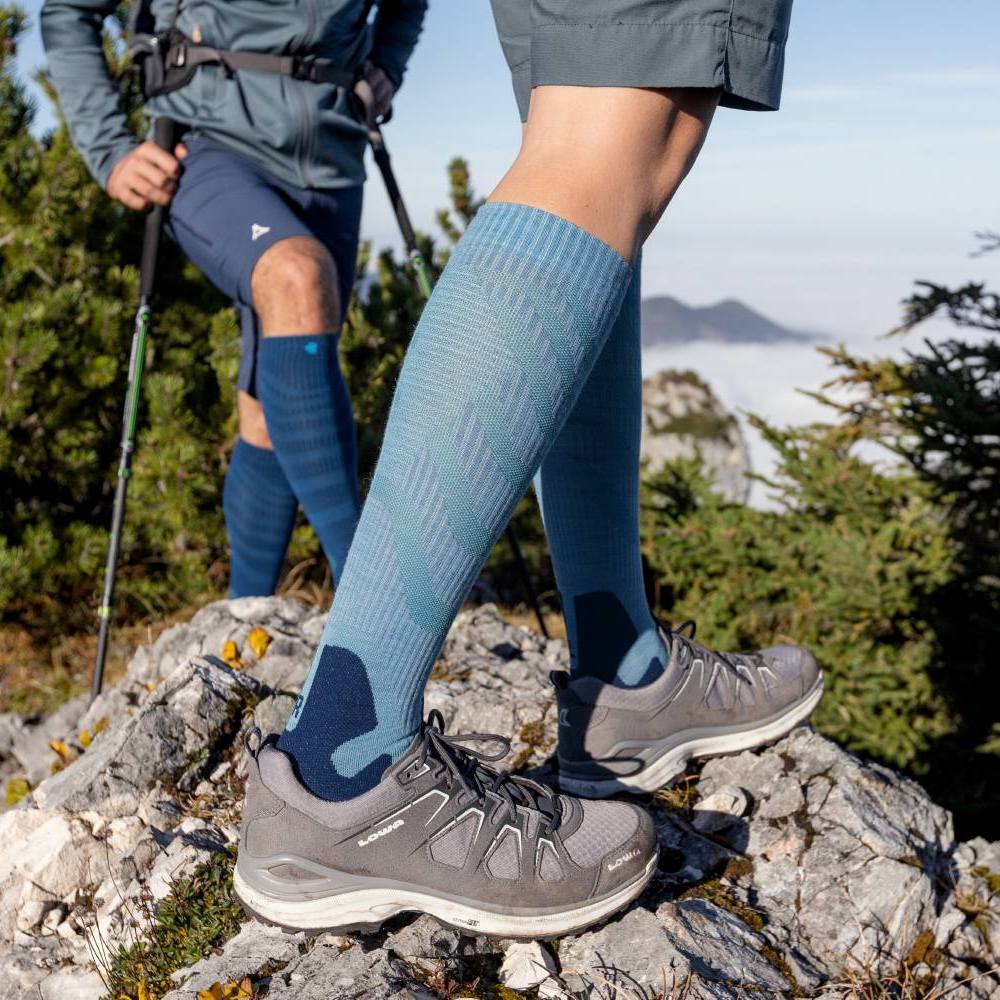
(735, 45)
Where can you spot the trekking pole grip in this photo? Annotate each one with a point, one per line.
(163, 136)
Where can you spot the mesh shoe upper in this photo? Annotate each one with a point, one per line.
(701, 692)
(443, 822)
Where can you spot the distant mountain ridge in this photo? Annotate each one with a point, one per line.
(666, 320)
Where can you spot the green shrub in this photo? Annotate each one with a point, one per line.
(881, 555)
(68, 291)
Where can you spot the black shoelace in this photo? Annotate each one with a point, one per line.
(450, 758)
(694, 650)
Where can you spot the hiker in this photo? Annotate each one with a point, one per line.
(525, 362)
(264, 193)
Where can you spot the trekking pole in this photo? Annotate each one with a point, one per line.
(376, 140)
(163, 131)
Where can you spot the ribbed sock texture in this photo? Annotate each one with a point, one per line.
(588, 487)
(504, 345)
(260, 509)
(309, 418)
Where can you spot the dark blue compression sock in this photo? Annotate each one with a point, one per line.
(260, 507)
(309, 418)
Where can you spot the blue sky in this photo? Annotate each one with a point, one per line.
(881, 163)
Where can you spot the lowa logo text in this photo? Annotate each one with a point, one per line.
(620, 861)
(381, 833)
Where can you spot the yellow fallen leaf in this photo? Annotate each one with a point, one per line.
(259, 641)
(67, 753)
(101, 724)
(85, 738)
(214, 992)
(231, 655)
(143, 992)
(150, 686)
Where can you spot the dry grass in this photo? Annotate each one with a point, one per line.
(37, 676)
(525, 617)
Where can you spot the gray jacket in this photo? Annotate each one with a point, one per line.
(305, 133)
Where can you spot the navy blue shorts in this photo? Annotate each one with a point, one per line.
(228, 211)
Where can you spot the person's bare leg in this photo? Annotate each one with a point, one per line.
(608, 159)
(294, 288)
(253, 426)
(501, 352)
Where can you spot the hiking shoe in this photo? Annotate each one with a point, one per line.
(614, 739)
(442, 834)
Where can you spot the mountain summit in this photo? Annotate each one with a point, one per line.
(665, 320)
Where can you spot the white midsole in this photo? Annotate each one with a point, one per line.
(663, 769)
(372, 906)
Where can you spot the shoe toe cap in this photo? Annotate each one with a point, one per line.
(619, 837)
(795, 666)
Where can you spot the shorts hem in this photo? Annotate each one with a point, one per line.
(747, 68)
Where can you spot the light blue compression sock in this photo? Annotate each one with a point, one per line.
(588, 487)
(309, 419)
(260, 509)
(496, 364)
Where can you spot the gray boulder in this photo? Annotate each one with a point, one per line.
(186, 715)
(787, 869)
(683, 418)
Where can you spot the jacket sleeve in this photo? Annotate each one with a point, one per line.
(71, 35)
(397, 27)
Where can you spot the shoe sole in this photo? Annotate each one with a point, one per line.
(662, 770)
(367, 909)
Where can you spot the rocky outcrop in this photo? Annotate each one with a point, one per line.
(797, 869)
(683, 418)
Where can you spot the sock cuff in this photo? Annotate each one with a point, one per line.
(302, 359)
(504, 227)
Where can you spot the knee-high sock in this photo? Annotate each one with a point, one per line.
(588, 486)
(260, 507)
(309, 418)
(504, 345)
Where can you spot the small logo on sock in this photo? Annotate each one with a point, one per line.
(564, 717)
(381, 833)
(256, 231)
(312, 347)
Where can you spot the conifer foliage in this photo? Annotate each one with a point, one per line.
(68, 288)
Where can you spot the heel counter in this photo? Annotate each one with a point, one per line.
(261, 807)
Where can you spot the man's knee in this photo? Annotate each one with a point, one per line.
(294, 286)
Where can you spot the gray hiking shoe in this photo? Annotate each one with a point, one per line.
(442, 834)
(615, 739)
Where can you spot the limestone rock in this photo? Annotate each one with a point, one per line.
(327, 972)
(527, 964)
(720, 810)
(71, 984)
(44, 855)
(252, 949)
(28, 742)
(797, 862)
(19, 974)
(189, 711)
(683, 418)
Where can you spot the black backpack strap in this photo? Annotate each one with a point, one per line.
(185, 57)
